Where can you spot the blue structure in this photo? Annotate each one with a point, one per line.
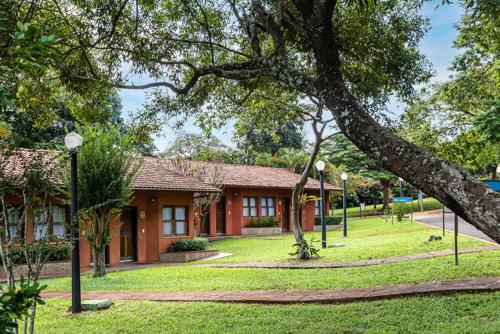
(493, 184)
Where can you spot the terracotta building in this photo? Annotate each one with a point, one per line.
(161, 210)
(254, 191)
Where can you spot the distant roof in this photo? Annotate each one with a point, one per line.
(262, 177)
(156, 174)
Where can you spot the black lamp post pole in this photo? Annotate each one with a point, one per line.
(344, 205)
(323, 209)
(76, 301)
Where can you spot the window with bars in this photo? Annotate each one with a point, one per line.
(55, 227)
(41, 226)
(250, 206)
(13, 216)
(174, 220)
(267, 207)
(59, 222)
(317, 208)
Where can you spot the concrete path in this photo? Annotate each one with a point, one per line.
(361, 263)
(435, 218)
(486, 284)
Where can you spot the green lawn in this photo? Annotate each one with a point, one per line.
(189, 278)
(368, 238)
(471, 313)
(429, 204)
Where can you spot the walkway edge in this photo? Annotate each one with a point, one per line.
(485, 284)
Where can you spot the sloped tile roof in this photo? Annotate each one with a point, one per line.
(153, 173)
(261, 177)
(158, 174)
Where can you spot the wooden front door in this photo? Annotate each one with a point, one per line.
(220, 215)
(285, 214)
(128, 227)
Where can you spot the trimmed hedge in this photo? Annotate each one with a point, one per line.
(329, 220)
(263, 222)
(189, 245)
(54, 253)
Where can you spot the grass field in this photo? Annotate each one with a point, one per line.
(429, 204)
(368, 238)
(470, 313)
(189, 278)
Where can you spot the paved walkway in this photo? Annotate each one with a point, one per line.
(435, 218)
(361, 263)
(487, 284)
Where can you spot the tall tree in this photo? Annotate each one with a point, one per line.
(285, 135)
(106, 171)
(340, 151)
(344, 53)
(190, 145)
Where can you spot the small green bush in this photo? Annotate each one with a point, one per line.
(54, 253)
(263, 222)
(189, 245)
(329, 220)
(400, 209)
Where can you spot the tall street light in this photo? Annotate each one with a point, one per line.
(320, 166)
(343, 176)
(400, 187)
(73, 141)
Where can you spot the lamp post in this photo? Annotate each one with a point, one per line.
(343, 176)
(320, 166)
(400, 187)
(73, 141)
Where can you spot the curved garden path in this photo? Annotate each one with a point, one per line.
(348, 264)
(485, 284)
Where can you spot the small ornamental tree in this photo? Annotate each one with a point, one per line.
(210, 173)
(31, 176)
(106, 170)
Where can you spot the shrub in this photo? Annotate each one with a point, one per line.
(54, 253)
(189, 245)
(263, 222)
(399, 209)
(329, 220)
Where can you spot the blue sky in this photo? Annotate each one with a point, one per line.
(436, 45)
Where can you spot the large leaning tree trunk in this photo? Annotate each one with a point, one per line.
(452, 186)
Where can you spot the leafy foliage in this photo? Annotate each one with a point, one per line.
(400, 209)
(187, 245)
(51, 253)
(15, 304)
(106, 170)
(308, 250)
(263, 222)
(329, 220)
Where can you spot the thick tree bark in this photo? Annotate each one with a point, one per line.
(452, 186)
(385, 192)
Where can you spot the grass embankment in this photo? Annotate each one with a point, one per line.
(429, 204)
(471, 313)
(369, 238)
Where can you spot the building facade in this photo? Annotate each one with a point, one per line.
(250, 192)
(162, 209)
